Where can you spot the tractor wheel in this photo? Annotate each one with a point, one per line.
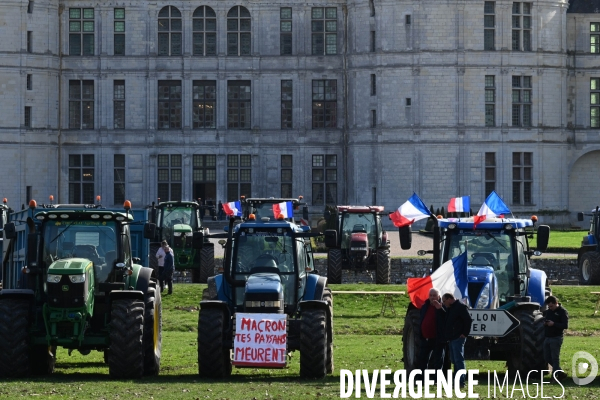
(207, 263)
(334, 266)
(126, 356)
(214, 360)
(14, 338)
(313, 344)
(329, 299)
(42, 360)
(589, 268)
(153, 262)
(382, 275)
(411, 339)
(530, 356)
(152, 330)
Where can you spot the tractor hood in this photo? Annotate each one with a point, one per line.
(480, 274)
(70, 266)
(182, 228)
(479, 293)
(264, 282)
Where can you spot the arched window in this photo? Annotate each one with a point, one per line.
(238, 31)
(205, 32)
(169, 31)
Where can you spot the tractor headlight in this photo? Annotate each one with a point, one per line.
(189, 234)
(484, 297)
(52, 278)
(77, 278)
(176, 233)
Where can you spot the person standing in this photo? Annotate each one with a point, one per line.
(458, 327)
(221, 212)
(432, 321)
(160, 256)
(556, 320)
(168, 269)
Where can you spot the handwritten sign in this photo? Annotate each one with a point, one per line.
(260, 340)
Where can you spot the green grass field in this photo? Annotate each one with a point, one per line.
(363, 340)
(562, 240)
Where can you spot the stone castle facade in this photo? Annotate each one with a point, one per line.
(345, 101)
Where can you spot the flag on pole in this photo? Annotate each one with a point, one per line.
(413, 210)
(285, 208)
(460, 204)
(492, 207)
(450, 277)
(233, 208)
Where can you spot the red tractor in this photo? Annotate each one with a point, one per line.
(358, 243)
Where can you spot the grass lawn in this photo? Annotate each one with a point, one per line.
(363, 340)
(562, 240)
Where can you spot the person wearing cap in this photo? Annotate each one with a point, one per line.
(556, 320)
(160, 256)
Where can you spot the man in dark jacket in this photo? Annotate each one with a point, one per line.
(458, 327)
(556, 320)
(432, 321)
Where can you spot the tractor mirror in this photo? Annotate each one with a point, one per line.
(305, 213)
(149, 230)
(9, 231)
(330, 238)
(579, 216)
(405, 237)
(543, 234)
(32, 249)
(198, 240)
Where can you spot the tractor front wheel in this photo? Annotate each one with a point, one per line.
(411, 339)
(313, 344)
(14, 338)
(126, 355)
(329, 299)
(152, 331)
(530, 355)
(42, 359)
(334, 266)
(207, 263)
(214, 360)
(589, 268)
(382, 275)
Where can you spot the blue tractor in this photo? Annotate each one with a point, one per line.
(267, 269)
(499, 277)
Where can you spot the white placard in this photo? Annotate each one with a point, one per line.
(260, 340)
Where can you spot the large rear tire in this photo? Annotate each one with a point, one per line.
(126, 355)
(530, 354)
(14, 337)
(411, 339)
(207, 262)
(382, 275)
(329, 299)
(152, 331)
(334, 266)
(313, 344)
(589, 268)
(214, 360)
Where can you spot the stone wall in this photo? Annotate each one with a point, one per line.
(561, 271)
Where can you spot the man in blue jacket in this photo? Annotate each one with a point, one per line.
(458, 327)
(432, 321)
(556, 320)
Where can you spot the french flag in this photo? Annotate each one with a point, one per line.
(450, 277)
(284, 208)
(460, 204)
(233, 209)
(413, 210)
(492, 207)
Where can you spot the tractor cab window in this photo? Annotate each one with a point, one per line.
(265, 251)
(358, 223)
(485, 249)
(177, 216)
(92, 240)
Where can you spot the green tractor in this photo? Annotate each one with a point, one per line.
(177, 222)
(72, 280)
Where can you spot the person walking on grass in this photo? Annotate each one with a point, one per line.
(556, 320)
